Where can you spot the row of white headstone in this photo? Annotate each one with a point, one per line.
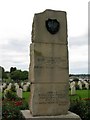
(19, 90)
(73, 86)
(24, 86)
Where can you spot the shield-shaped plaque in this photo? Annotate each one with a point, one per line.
(52, 26)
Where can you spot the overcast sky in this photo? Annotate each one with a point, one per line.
(16, 18)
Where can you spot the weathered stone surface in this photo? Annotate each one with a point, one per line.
(69, 116)
(49, 63)
(40, 32)
(49, 72)
(48, 75)
(49, 50)
(49, 99)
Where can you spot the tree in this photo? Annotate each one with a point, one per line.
(13, 69)
(3, 74)
(19, 75)
(15, 75)
(24, 75)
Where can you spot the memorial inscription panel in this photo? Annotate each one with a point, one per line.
(54, 96)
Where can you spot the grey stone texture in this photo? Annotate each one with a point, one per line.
(69, 116)
(49, 99)
(49, 71)
(40, 33)
(49, 63)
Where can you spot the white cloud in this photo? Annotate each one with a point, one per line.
(78, 57)
(16, 18)
(15, 53)
(79, 68)
(78, 54)
(78, 40)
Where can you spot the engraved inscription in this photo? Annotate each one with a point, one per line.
(49, 67)
(50, 62)
(52, 98)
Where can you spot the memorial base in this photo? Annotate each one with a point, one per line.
(70, 116)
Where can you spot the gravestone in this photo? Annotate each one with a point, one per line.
(19, 92)
(22, 84)
(73, 88)
(25, 87)
(49, 71)
(16, 87)
(80, 85)
(4, 85)
(87, 85)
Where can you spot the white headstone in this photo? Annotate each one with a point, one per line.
(80, 85)
(22, 84)
(27, 83)
(19, 92)
(73, 88)
(17, 86)
(86, 85)
(4, 85)
(25, 88)
(9, 87)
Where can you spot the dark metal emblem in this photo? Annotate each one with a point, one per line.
(52, 26)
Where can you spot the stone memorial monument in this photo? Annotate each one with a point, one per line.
(49, 71)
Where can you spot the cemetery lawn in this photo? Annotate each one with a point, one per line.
(81, 94)
(26, 95)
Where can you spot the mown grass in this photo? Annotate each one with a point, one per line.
(80, 94)
(26, 95)
(83, 93)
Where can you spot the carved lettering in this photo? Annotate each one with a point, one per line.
(52, 98)
(51, 62)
